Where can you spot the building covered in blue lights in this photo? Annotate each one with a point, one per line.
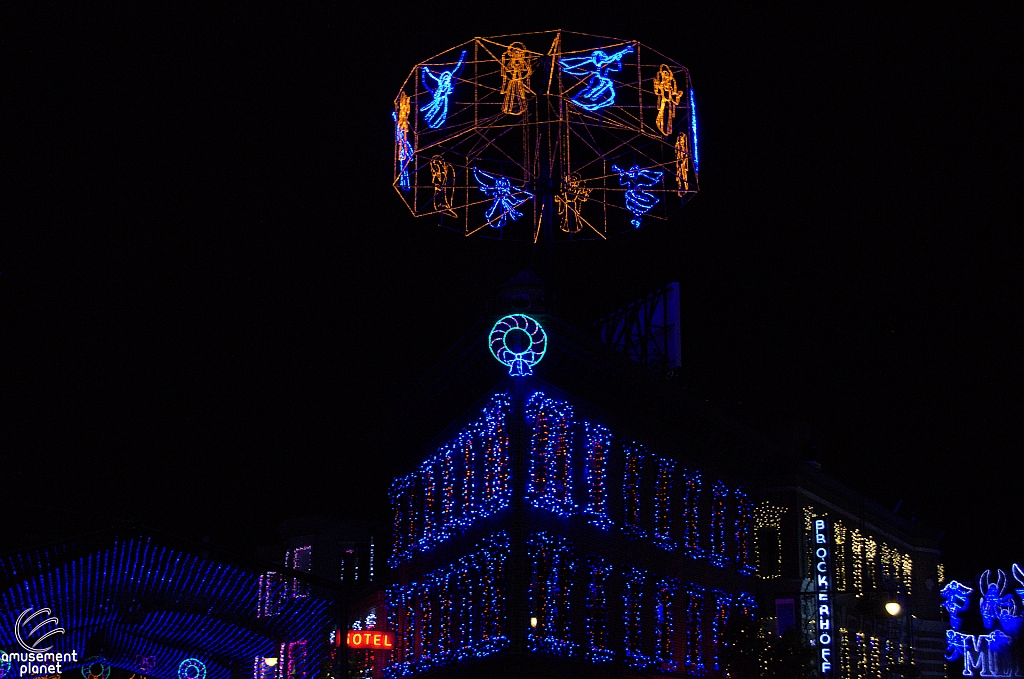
(582, 514)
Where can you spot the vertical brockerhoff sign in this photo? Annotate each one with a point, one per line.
(824, 586)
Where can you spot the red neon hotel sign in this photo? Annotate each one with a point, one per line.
(370, 639)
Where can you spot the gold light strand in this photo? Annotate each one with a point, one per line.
(862, 655)
(875, 659)
(844, 653)
(908, 572)
(870, 556)
(857, 554)
(890, 566)
(767, 515)
(839, 555)
(808, 548)
(941, 571)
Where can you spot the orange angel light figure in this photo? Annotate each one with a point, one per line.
(442, 175)
(570, 199)
(516, 68)
(668, 98)
(682, 163)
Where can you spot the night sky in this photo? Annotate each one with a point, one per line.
(214, 300)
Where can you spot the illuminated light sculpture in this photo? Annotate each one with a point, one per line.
(95, 667)
(519, 342)
(600, 89)
(403, 149)
(639, 200)
(192, 668)
(955, 597)
(5, 666)
(516, 68)
(545, 116)
(668, 98)
(996, 602)
(682, 165)
(442, 174)
(441, 87)
(505, 197)
(570, 201)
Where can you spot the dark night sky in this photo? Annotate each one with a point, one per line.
(212, 294)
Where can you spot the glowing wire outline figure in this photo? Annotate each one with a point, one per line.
(505, 196)
(996, 603)
(638, 201)
(600, 89)
(405, 152)
(668, 98)
(442, 174)
(516, 68)
(682, 164)
(519, 363)
(955, 600)
(570, 199)
(436, 112)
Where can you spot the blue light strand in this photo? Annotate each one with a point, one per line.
(718, 555)
(426, 507)
(631, 491)
(695, 630)
(549, 484)
(597, 444)
(693, 129)
(552, 568)
(744, 521)
(691, 515)
(598, 640)
(723, 603)
(663, 505)
(664, 625)
(435, 630)
(633, 619)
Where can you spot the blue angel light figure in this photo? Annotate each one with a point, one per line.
(506, 197)
(441, 86)
(955, 600)
(638, 199)
(600, 90)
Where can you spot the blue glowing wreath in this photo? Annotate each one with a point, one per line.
(95, 667)
(190, 668)
(519, 342)
(5, 665)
